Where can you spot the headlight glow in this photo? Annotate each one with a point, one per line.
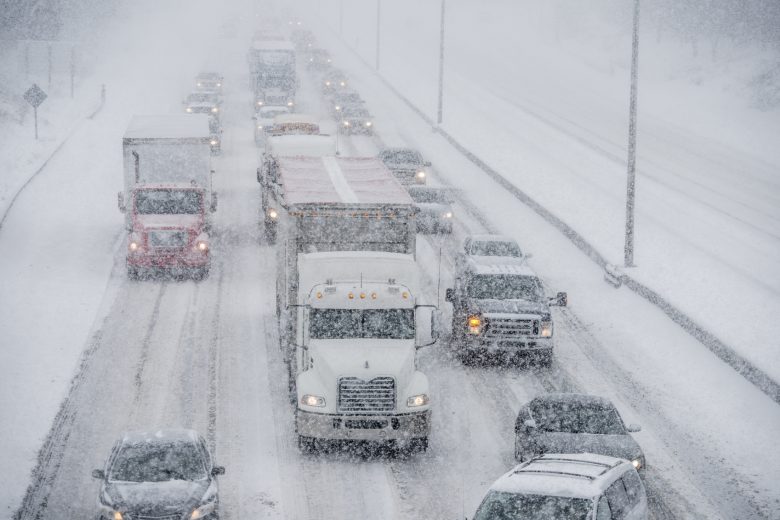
(346, 123)
(545, 329)
(189, 109)
(638, 462)
(290, 103)
(343, 83)
(447, 214)
(213, 142)
(272, 213)
(313, 400)
(199, 84)
(203, 511)
(118, 515)
(327, 83)
(259, 103)
(133, 246)
(214, 109)
(369, 123)
(418, 400)
(474, 325)
(202, 245)
(219, 84)
(338, 107)
(420, 174)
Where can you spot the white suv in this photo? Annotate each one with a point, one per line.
(580, 486)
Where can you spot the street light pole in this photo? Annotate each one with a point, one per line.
(378, 27)
(441, 65)
(631, 180)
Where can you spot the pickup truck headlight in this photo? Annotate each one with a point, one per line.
(189, 109)
(202, 245)
(290, 103)
(273, 214)
(346, 123)
(474, 324)
(418, 400)
(214, 109)
(545, 329)
(638, 462)
(369, 123)
(133, 246)
(213, 142)
(447, 214)
(313, 400)
(420, 175)
(259, 103)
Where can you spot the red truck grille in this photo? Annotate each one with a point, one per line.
(167, 239)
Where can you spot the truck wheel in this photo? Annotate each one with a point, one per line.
(545, 359)
(270, 233)
(132, 273)
(200, 274)
(307, 444)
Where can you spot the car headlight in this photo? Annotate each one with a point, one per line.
(346, 123)
(418, 400)
(117, 516)
(337, 107)
(420, 174)
(219, 84)
(327, 83)
(313, 400)
(343, 83)
(259, 103)
(214, 109)
(369, 123)
(133, 246)
(189, 109)
(273, 214)
(213, 142)
(545, 329)
(202, 245)
(199, 84)
(204, 510)
(447, 214)
(638, 462)
(290, 103)
(474, 324)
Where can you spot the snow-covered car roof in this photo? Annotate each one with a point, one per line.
(162, 435)
(564, 398)
(209, 76)
(499, 265)
(339, 180)
(173, 126)
(581, 475)
(484, 237)
(273, 45)
(297, 118)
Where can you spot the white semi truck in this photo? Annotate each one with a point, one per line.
(167, 197)
(351, 313)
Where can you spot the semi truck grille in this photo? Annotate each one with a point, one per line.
(164, 517)
(357, 395)
(508, 328)
(167, 239)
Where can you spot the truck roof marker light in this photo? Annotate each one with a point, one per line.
(351, 296)
(362, 296)
(404, 295)
(373, 296)
(319, 295)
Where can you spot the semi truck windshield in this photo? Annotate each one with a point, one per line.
(361, 323)
(168, 202)
(504, 287)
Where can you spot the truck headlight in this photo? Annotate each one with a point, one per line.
(369, 123)
(313, 400)
(133, 246)
(337, 107)
(117, 516)
(638, 462)
(343, 83)
(214, 109)
(418, 400)
(290, 103)
(202, 245)
(219, 84)
(213, 142)
(259, 103)
(199, 84)
(346, 123)
(545, 329)
(447, 214)
(327, 83)
(273, 214)
(420, 175)
(474, 324)
(189, 109)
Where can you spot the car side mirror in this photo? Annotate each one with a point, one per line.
(529, 424)
(633, 428)
(120, 200)
(218, 470)
(449, 295)
(213, 202)
(98, 474)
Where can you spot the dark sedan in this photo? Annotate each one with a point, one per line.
(166, 474)
(434, 209)
(575, 423)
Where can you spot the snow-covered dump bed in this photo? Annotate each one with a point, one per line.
(339, 181)
(308, 145)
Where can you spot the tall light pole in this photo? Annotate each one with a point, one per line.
(378, 27)
(631, 180)
(441, 65)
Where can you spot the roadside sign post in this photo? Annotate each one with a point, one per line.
(35, 96)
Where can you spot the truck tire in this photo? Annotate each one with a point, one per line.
(307, 444)
(270, 233)
(200, 274)
(132, 273)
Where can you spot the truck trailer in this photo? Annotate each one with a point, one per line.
(167, 197)
(350, 309)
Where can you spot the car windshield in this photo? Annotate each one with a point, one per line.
(355, 111)
(202, 98)
(577, 417)
(158, 462)
(505, 287)
(168, 202)
(357, 323)
(494, 248)
(429, 196)
(402, 156)
(348, 97)
(499, 505)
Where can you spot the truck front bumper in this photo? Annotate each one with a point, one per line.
(172, 261)
(404, 426)
(504, 346)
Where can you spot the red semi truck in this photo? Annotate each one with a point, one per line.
(167, 199)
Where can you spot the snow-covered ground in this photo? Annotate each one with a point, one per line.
(206, 355)
(547, 107)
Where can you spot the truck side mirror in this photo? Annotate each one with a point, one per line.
(633, 427)
(98, 474)
(259, 176)
(449, 295)
(529, 424)
(426, 325)
(562, 298)
(120, 199)
(213, 202)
